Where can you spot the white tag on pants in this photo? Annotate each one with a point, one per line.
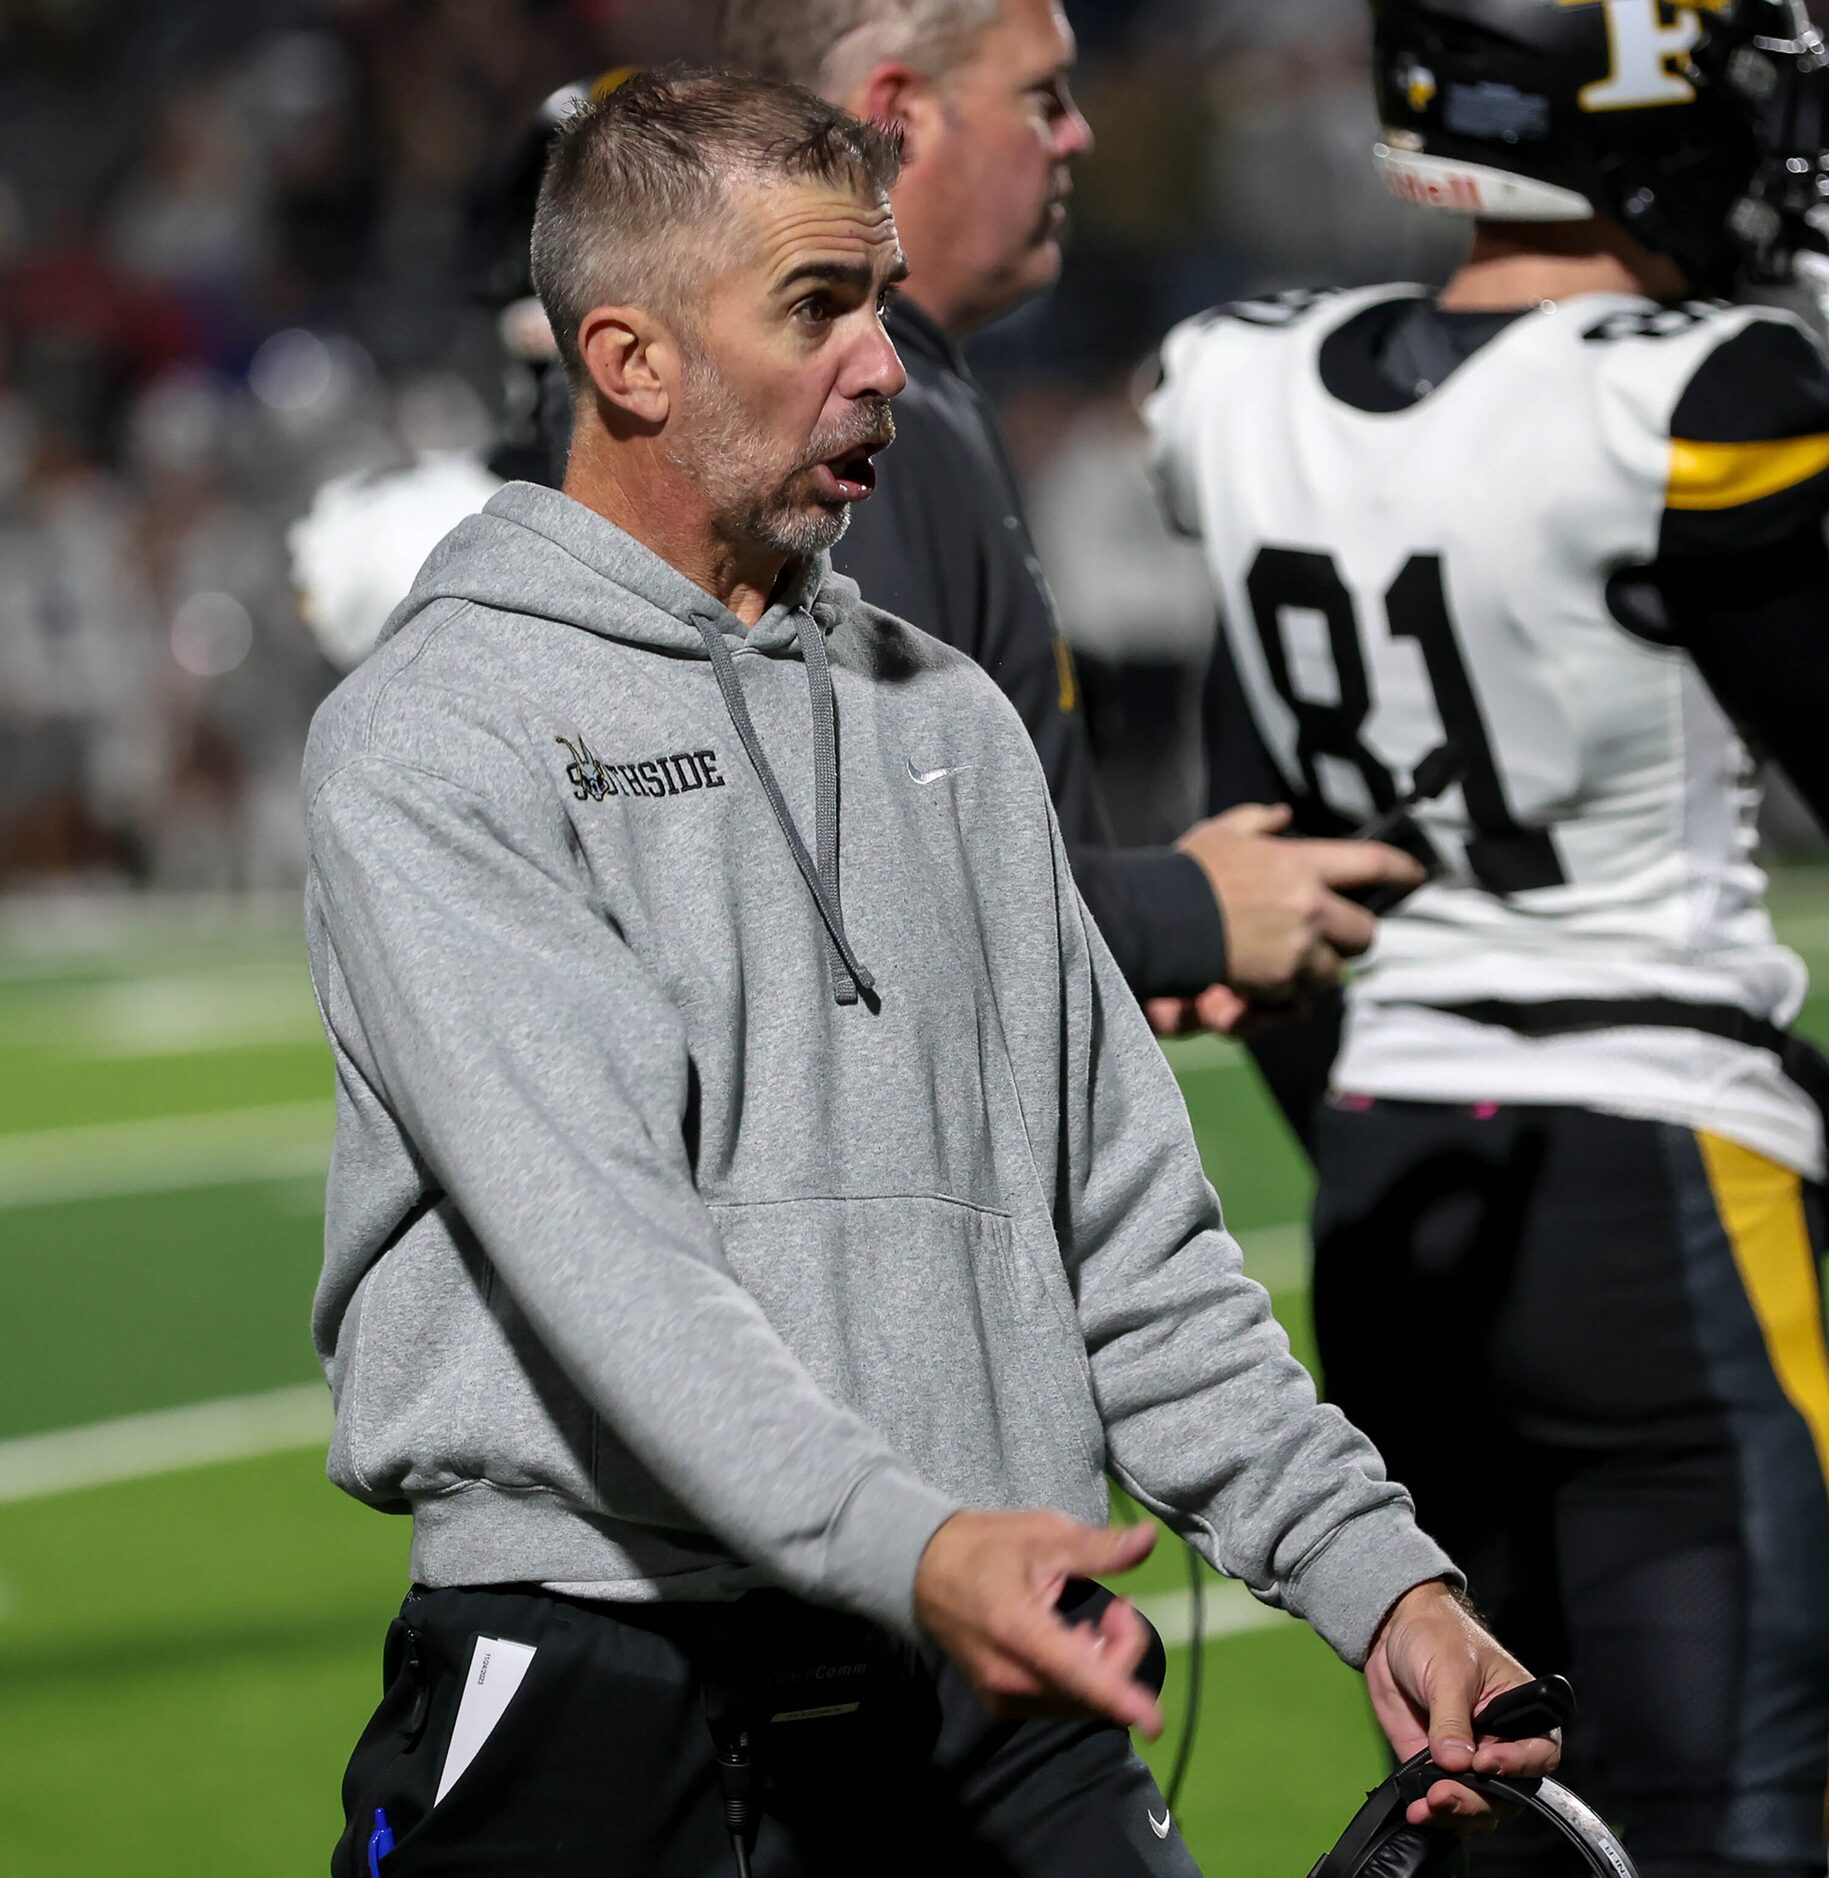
(497, 1665)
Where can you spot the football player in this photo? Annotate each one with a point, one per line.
(1535, 562)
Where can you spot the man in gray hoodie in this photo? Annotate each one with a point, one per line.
(755, 1192)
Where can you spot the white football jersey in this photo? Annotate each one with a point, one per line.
(1401, 572)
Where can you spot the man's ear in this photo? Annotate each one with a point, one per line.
(899, 98)
(628, 356)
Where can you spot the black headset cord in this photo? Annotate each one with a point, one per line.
(738, 1781)
(1197, 1644)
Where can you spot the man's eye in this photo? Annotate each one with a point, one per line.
(888, 297)
(814, 311)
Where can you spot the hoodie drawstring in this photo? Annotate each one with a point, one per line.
(849, 978)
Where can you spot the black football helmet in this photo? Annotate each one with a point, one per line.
(503, 200)
(1698, 124)
(504, 196)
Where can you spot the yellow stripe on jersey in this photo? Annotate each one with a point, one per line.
(1762, 1207)
(1068, 674)
(1725, 475)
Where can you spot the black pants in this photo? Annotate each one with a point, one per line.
(603, 1762)
(1593, 1349)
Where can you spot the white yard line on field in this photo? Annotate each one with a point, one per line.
(231, 1006)
(1229, 1610)
(290, 1141)
(52, 935)
(276, 1421)
(282, 1421)
(167, 1441)
(276, 1141)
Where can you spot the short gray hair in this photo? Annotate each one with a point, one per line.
(831, 45)
(637, 177)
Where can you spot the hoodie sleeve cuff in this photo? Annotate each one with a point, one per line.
(1158, 914)
(876, 1543)
(1346, 1589)
(1194, 935)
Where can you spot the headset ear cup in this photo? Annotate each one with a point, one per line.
(1414, 1852)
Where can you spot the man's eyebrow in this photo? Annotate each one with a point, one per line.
(840, 273)
(1058, 74)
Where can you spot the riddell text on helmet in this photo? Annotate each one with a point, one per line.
(1452, 189)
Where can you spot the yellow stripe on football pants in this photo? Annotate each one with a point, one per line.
(1762, 1209)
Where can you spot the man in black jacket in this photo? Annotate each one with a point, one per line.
(978, 90)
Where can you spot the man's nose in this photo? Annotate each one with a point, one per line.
(876, 368)
(1072, 134)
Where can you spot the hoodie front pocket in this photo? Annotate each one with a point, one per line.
(908, 1309)
(450, 1384)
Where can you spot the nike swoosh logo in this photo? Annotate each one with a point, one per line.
(1159, 1827)
(926, 776)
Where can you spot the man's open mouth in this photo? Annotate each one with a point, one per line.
(848, 478)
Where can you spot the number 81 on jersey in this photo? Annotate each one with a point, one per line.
(1503, 855)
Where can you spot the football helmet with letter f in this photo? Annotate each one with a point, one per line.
(1700, 125)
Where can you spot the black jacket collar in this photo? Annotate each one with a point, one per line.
(918, 337)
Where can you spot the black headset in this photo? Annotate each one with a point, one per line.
(1380, 1843)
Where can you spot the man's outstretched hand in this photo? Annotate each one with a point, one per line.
(1432, 1669)
(986, 1589)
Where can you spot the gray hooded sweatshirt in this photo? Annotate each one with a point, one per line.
(747, 1153)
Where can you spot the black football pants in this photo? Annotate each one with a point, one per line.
(1593, 1349)
(603, 1763)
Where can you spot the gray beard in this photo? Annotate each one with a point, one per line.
(718, 449)
(800, 536)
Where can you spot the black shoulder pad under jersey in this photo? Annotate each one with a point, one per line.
(1277, 309)
(1749, 443)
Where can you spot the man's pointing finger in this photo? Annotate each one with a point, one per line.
(1361, 863)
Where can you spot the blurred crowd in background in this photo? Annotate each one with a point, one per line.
(238, 255)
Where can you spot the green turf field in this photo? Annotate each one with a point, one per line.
(190, 1616)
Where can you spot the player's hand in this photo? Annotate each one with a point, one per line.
(1222, 1012)
(986, 1589)
(1287, 929)
(1219, 1008)
(1432, 1669)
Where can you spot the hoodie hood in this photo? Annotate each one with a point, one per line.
(535, 550)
